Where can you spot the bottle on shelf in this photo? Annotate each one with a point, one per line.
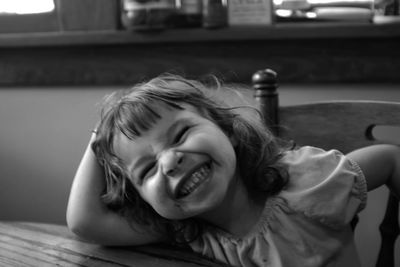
(215, 14)
(189, 13)
(144, 15)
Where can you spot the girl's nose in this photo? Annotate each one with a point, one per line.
(171, 162)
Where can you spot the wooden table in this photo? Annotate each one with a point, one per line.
(34, 244)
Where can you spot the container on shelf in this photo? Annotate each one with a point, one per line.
(73, 15)
(143, 15)
(215, 14)
(189, 13)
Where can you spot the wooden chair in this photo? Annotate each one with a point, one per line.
(342, 125)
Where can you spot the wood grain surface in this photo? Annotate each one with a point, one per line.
(33, 244)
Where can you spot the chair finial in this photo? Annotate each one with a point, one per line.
(265, 79)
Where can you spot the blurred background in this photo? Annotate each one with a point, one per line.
(58, 59)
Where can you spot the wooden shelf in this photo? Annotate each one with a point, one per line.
(280, 31)
(301, 53)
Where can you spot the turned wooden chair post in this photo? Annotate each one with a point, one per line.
(265, 85)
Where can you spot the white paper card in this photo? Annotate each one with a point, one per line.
(250, 12)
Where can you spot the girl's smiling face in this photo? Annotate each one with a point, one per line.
(183, 165)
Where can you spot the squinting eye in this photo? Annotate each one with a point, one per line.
(146, 170)
(180, 134)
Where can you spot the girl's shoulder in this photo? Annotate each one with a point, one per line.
(309, 166)
(314, 169)
(324, 184)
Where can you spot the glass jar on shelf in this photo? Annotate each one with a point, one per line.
(189, 13)
(215, 13)
(142, 15)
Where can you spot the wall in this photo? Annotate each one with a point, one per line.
(44, 132)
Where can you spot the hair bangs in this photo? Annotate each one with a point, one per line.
(134, 118)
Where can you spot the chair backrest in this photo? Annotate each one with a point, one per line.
(342, 125)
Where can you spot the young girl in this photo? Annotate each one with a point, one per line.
(172, 162)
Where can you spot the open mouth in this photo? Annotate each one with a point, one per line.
(194, 180)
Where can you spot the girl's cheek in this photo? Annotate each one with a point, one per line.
(198, 140)
(152, 189)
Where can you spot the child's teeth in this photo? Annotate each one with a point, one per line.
(194, 181)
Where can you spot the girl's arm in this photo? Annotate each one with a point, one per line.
(380, 165)
(88, 217)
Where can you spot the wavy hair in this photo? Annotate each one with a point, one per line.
(131, 112)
